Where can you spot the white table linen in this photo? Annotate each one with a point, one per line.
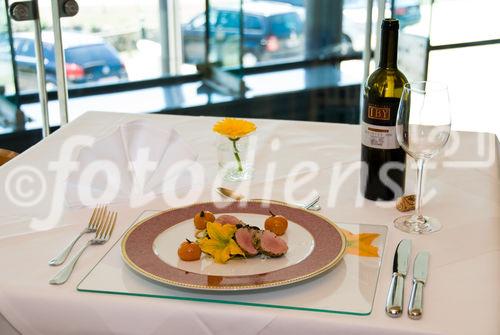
(463, 291)
(126, 148)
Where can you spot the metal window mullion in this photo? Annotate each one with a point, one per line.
(12, 54)
(207, 32)
(42, 88)
(380, 18)
(28, 11)
(164, 37)
(62, 89)
(176, 37)
(241, 30)
(367, 52)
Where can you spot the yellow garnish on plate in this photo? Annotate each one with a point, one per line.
(220, 244)
(361, 244)
(234, 128)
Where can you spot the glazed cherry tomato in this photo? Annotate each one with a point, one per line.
(276, 223)
(189, 251)
(201, 219)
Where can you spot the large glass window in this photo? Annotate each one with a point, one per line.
(125, 41)
(7, 86)
(473, 85)
(458, 21)
(464, 52)
(112, 41)
(9, 118)
(131, 40)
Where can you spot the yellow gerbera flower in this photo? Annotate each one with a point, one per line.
(234, 128)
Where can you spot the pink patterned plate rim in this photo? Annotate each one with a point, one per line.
(138, 252)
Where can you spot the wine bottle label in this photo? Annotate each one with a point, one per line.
(378, 137)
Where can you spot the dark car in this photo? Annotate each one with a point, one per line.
(271, 31)
(88, 59)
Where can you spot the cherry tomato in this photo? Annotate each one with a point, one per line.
(189, 251)
(277, 224)
(201, 219)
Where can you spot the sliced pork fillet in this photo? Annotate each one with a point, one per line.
(244, 238)
(228, 219)
(269, 244)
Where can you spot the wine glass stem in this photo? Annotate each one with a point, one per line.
(420, 175)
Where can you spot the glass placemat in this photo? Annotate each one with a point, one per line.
(348, 288)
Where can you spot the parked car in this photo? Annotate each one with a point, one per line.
(406, 11)
(88, 59)
(271, 31)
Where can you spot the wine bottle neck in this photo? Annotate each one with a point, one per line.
(389, 49)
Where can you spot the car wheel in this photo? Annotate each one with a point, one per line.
(249, 59)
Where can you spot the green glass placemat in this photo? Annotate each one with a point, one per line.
(349, 288)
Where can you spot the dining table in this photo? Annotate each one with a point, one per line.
(462, 190)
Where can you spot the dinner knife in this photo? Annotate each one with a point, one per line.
(394, 304)
(420, 268)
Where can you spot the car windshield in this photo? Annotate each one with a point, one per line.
(284, 25)
(89, 54)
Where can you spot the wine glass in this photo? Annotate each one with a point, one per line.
(422, 129)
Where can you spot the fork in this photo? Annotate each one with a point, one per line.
(104, 230)
(98, 212)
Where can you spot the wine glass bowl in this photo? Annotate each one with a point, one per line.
(423, 126)
(426, 141)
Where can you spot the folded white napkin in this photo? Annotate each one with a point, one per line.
(137, 159)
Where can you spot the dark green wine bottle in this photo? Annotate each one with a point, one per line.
(382, 159)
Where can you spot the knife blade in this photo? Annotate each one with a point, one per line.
(394, 303)
(420, 269)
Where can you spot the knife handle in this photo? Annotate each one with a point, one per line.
(416, 299)
(394, 304)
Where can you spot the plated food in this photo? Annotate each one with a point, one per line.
(227, 237)
(310, 245)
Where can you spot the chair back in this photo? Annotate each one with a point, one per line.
(6, 155)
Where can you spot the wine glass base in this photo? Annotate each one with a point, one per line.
(417, 225)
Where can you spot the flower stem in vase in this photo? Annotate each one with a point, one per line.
(237, 154)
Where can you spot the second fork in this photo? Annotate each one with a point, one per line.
(104, 230)
(97, 214)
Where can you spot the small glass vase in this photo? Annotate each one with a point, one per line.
(233, 158)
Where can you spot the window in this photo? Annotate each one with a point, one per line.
(458, 21)
(252, 23)
(48, 52)
(228, 20)
(92, 54)
(464, 52)
(285, 25)
(198, 22)
(138, 42)
(26, 48)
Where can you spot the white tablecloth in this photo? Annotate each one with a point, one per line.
(462, 295)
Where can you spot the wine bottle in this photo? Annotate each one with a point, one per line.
(383, 160)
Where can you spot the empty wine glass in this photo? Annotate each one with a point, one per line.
(422, 128)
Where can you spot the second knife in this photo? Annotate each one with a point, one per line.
(420, 269)
(394, 304)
